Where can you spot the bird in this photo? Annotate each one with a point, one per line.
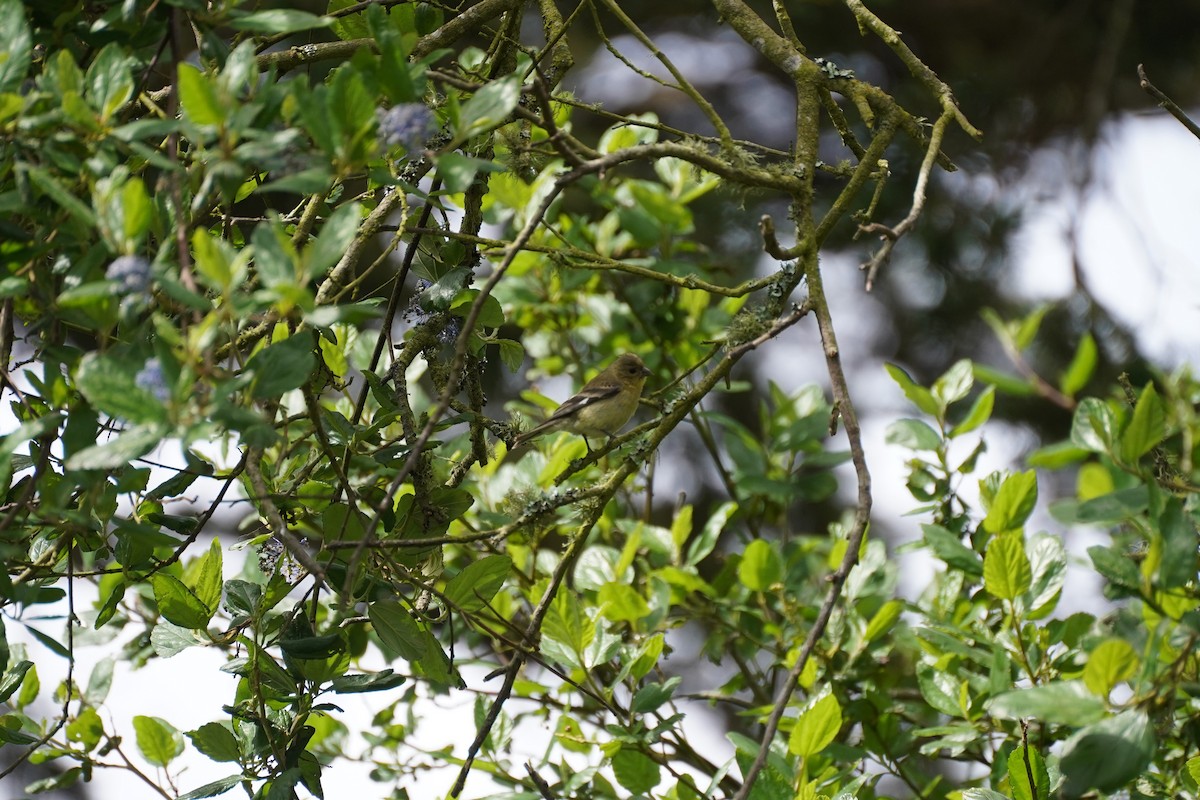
(602, 406)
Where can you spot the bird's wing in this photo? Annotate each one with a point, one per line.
(592, 393)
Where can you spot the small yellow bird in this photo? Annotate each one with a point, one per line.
(603, 405)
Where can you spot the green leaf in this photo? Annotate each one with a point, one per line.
(567, 630)
(18, 45)
(1116, 568)
(1006, 571)
(12, 679)
(205, 579)
(761, 566)
(1146, 429)
(474, 587)
(918, 395)
(981, 412)
(955, 384)
(1094, 427)
(1080, 370)
(215, 788)
(87, 729)
(1023, 762)
(913, 434)
(349, 26)
(375, 682)
(1114, 507)
(1056, 456)
(282, 366)
(115, 453)
(817, 727)
(109, 83)
(883, 620)
(10, 733)
(488, 107)
(635, 770)
(158, 740)
(982, 794)
(458, 171)
(651, 696)
(1178, 530)
(198, 96)
(1108, 754)
(949, 548)
(1004, 382)
(215, 741)
(278, 20)
(109, 382)
(1058, 703)
(177, 603)
(50, 186)
(333, 240)
(622, 603)
(169, 640)
(940, 689)
(99, 682)
(1027, 328)
(1112, 661)
(397, 630)
(702, 545)
(1048, 560)
(1013, 504)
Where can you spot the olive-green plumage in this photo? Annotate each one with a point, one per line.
(602, 406)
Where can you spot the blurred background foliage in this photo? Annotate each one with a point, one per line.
(293, 168)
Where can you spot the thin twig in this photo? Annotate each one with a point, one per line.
(1170, 105)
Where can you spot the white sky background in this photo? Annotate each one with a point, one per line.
(1136, 235)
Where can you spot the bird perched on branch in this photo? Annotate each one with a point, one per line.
(601, 407)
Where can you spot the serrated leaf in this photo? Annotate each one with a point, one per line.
(177, 603)
(1013, 503)
(474, 587)
(1024, 762)
(939, 688)
(215, 741)
(1058, 703)
(652, 695)
(157, 739)
(1094, 426)
(816, 727)
(1112, 661)
(954, 384)
(397, 629)
(1006, 571)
